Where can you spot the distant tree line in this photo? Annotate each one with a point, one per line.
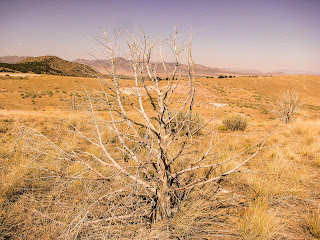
(223, 76)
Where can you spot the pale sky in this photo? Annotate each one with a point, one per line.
(266, 35)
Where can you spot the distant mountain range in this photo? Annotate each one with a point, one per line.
(124, 68)
(45, 65)
(84, 67)
(12, 59)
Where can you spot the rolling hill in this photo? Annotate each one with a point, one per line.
(48, 65)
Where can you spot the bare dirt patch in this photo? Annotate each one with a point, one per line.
(19, 74)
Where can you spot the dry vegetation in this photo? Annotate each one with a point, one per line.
(275, 197)
(48, 193)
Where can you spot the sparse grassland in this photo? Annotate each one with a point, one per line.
(275, 196)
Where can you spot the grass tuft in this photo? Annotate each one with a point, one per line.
(257, 222)
(313, 224)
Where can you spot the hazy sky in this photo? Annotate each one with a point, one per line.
(248, 34)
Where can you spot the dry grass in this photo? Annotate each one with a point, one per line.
(276, 196)
(258, 221)
(313, 224)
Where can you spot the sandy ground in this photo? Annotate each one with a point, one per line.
(19, 74)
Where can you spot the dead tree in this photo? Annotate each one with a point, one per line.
(287, 105)
(73, 103)
(148, 144)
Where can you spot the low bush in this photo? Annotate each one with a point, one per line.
(235, 122)
(190, 123)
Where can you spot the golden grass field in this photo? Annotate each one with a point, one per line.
(276, 196)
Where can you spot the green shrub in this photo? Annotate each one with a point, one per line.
(235, 122)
